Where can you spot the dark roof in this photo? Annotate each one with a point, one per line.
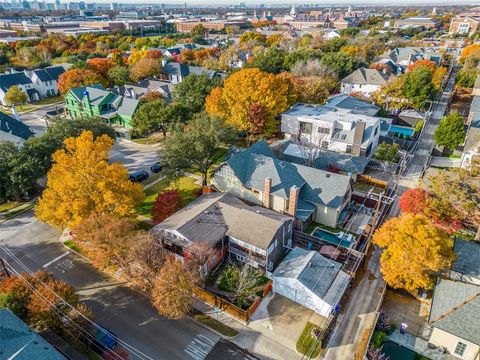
(326, 160)
(456, 309)
(174, 68)
(468, 258)
(253, 165)
(20, 342)
(212, 216)
(12, 126)
(8, 80)
(50, 73)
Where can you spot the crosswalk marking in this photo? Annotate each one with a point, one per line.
(199, 347)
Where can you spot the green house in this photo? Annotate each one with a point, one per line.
(95, 101)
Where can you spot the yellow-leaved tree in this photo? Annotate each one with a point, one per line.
(414, 251)
(245, 91)
(81, 182)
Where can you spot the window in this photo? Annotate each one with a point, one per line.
(460, 349)
(324, 145)
(324, 130)
(305, 128)
(376, 131)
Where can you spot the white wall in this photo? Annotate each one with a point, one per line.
(449, 341)
(367, 89)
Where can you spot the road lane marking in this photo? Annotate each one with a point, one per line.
(56, 259)
(199, 347)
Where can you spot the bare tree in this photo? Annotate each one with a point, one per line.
(197, 256)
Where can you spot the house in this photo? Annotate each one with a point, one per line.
(18, 341)
(35, 84)
(344, 124)
(455, 318)
(175, 72)
(230, 227)
(94, 100)
(471, 149)
(416, 22)
(332, 161)
(257, 176)
(410, 117)
(406, 56)
(22, 81)
(365, 81)
(466, 266)
(137, 90)
(311, 280)
(46, 80)
(13, 130)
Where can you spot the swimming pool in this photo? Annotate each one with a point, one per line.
(401, 130)
(397, 352)
(331, 238)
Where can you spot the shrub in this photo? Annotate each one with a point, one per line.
(378, 338)
(230, 279)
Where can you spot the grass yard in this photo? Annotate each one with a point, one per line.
(35, 105)
(307, 344)
(71, 245)
(186, 185)
(9, 205)
(215, 324)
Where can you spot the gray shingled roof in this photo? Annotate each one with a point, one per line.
(468, 258)
(14, 127)
(253, 165)
(212, 216)
(325, 160)
(456, 309)
(320, 275)
(357, 106)
(18, 341)
(365, 76)
(8, 80)
(50, 73)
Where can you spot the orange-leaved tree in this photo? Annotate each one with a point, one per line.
(246, 87)
(424, 63)
(81, 182)
(100, 65)
(470, 50)
(76, 78)
(414, 251)
(172, 294)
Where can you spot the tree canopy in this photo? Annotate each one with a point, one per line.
(76, 78)
(451, 131)
(414, 251)
(15, 96)
(81, 182)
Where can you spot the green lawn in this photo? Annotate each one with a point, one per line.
(8, 205)
(186, 185)
(215, 324)
(34, 105)
(307, 344)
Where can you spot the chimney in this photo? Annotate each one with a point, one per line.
(293, 200)
(358, 137)
(267, 188)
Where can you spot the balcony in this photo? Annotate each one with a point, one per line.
(245, 254)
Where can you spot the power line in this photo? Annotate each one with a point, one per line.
(135, 351)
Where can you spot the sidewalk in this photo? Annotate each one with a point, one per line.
(249, 338)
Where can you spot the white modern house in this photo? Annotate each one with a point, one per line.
(365, 81)
(311, 280)
(344, 124)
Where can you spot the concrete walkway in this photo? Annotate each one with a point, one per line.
(251, 338)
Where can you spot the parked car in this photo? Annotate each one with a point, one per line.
(138, 176)
(105, 340)
(156, 168)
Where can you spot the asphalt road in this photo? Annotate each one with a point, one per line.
(126, 312)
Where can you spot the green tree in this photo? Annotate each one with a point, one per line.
(342, 64)
(195, 146)
(418, 86)
(387, 152)
(451, 131)
(271, 60)
(119, 75)
(15, 96)
(198, 30)
(193, 90)
(150, 116)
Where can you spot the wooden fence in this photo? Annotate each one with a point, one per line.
(371, 181)
(226, 306)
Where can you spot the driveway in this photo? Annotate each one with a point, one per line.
(280, 319)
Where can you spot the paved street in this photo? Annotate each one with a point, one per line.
(134, 156)
(361, 310)
(36, 119)
(124, 311)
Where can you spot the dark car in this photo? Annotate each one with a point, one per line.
(105, 340)
(156, 168)
(138, 176)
